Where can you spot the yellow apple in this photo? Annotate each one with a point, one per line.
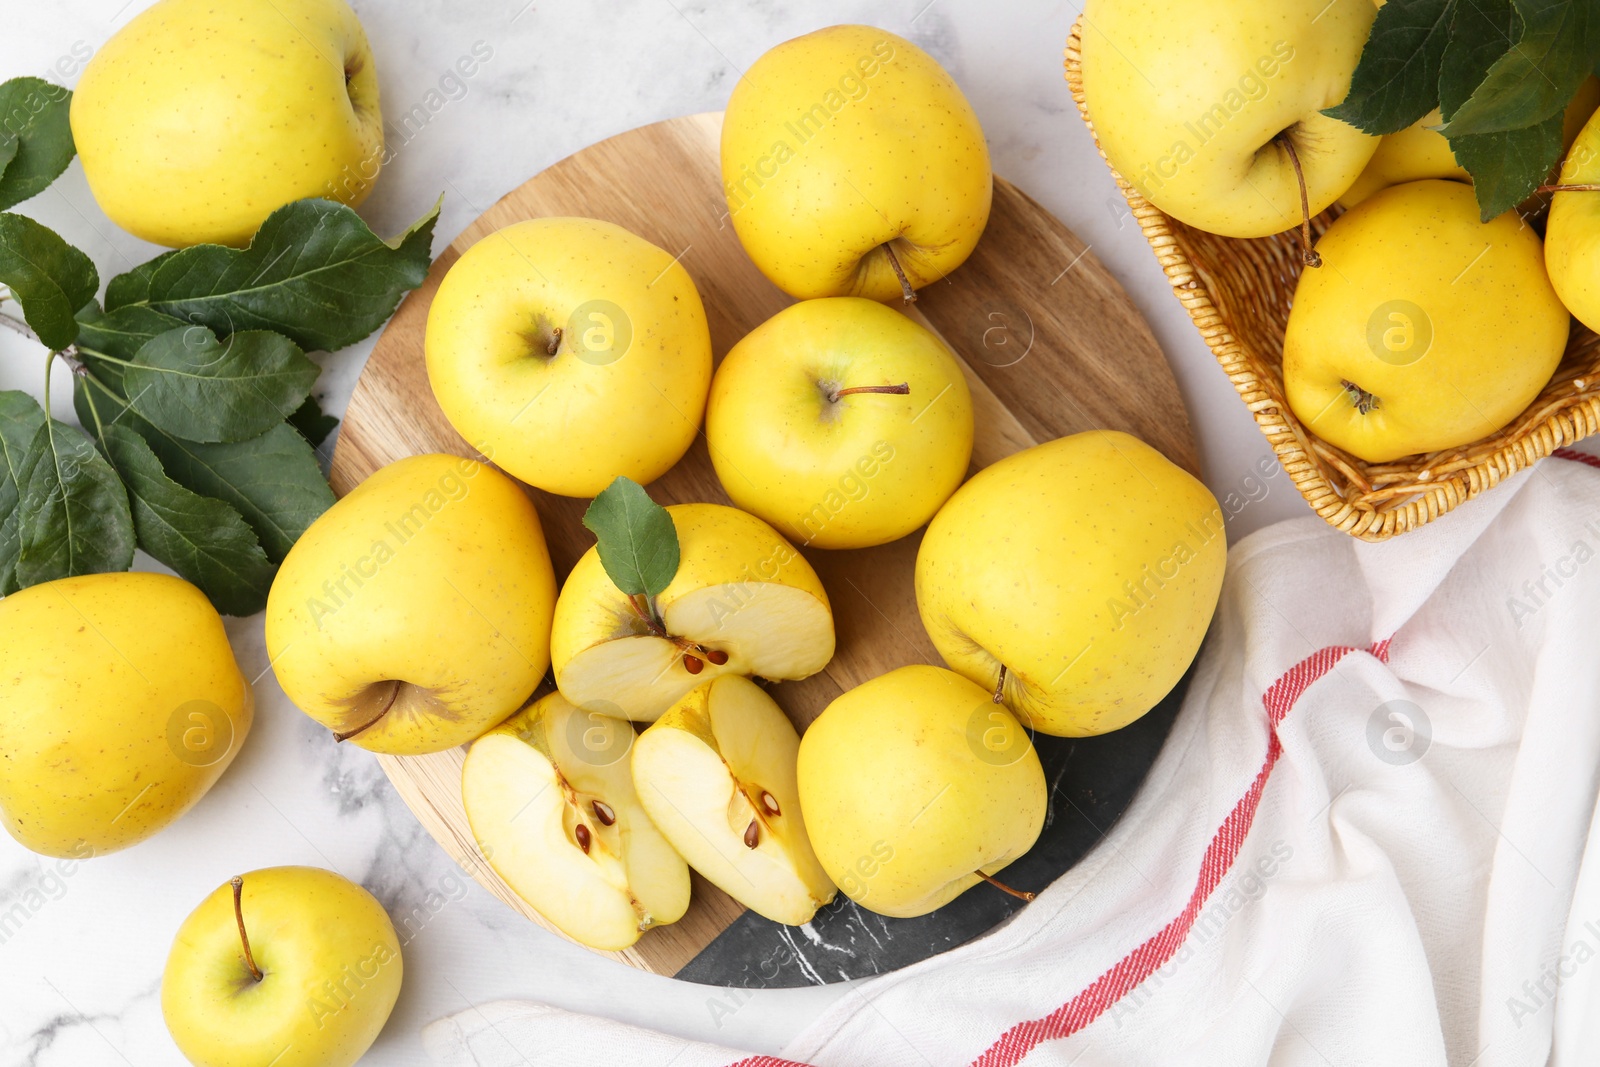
(197, 120)
(1572, 235)
(572, 351)
(1447, 347)
(551, 800)
(1198, 106)
(288, 966)
(841, 422)
(849, 156)
(415, 613)
(1076, 578)
(716, 772)
(120, 705)
(743, 602)
(915, 786)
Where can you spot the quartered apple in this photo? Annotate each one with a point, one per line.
(743, 602)
(716, 773)
(551, 800)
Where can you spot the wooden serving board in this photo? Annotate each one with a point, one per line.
(1051, 344)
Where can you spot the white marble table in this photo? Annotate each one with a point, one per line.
(81, 953)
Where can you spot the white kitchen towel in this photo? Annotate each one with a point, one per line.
(1369, 840)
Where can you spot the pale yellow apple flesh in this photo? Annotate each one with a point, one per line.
(120, 705)
(1386, 363)
(742, 594)
(327, 971)
(847, 143)
(915, 785)
(806, 428)
(717, 775)
(551, 800)
(193, 127)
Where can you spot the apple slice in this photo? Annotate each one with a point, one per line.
(550, 797)
(743, 602)
(717, 775)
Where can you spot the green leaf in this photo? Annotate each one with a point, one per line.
(49, 278)
(272, 480)
(121, 333)
(1396, 81)
(196, 387)
(74, 511)
(1480, 33)
(637, 541)
(1538, 77)
(313, 423)
(134, 286)
(34, 113)
(201, 538)
(8, 149)
(1507, 167)
(314, 273)
(21, 418)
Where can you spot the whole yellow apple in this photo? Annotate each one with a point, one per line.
(415, 613)
(197, 120)
(1075, 579)
(743, 602)
(120, 705)
(1572, 235)
(1205, 109)
(288, 966)
(573, 351)
(915, 786)
(1425, 329)
(854, 166)
(841, 422)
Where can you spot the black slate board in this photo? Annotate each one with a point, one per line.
(1092, 781)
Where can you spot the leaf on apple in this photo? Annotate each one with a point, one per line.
(201, 538)
(50, 278)
(1397, 80)
(21, 418)
(314, 272)
(40, 139)
(1510, 165)
(1536, 78)
(74, 514)
(637, 542)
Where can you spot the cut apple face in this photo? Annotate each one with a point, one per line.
(743, 602)
(551, 800)
(716, 773)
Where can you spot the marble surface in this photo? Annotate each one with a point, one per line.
(82, 946)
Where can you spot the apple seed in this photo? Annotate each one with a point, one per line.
(716, 655)
(584, 837)
(769, 804)
(603, 812)
(752, 834)
(692, 664)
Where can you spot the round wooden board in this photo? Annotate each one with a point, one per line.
(1051, 346)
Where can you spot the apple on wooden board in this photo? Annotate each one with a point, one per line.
(841, 422)
(716, 772)
(551, 800)
(197, 120)
(672, 597)
(853, 166)
(1074, 580)
(1431, 329)
(415, 613)
(120, 705)
(1215, 116)
(288, 966)
(916, 786)
(572, 351)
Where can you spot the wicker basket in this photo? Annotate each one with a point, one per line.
(1238, 292)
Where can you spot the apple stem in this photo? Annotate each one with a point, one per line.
(1568, 189)
(237, 881)
(1308, 255)
(903, 389)
(1000, 686)
(394, 694)
(908, 294)
(555, 342)
(641, 608)
(1019, 894)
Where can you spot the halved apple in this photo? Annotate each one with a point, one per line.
(550, 797)
(717, 775)
(743, 602)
